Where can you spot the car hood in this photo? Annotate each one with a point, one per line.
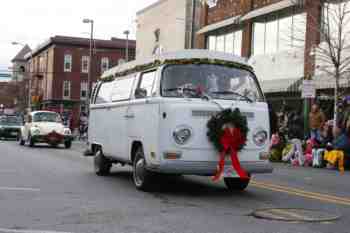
(48, 127)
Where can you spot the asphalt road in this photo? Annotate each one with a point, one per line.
(55, 190)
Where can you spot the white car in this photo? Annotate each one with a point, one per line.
(45, 127)
(153, 115)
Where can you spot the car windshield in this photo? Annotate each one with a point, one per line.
(10, 120)
(217, 81)
(46, 117)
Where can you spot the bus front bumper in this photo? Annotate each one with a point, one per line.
(207, 168)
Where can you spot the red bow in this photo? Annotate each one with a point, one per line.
(231, 140)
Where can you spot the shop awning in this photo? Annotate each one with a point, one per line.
(218, 25)
(328, 82)
(278, 85)
(269, 9)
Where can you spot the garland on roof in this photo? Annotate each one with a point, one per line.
(157, 63)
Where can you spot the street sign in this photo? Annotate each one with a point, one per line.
(308, 89)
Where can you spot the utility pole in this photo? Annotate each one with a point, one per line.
(91, 22)
(127, 32)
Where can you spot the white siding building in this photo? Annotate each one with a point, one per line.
(167, 25)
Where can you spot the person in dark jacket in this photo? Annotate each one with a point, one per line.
(273, 120)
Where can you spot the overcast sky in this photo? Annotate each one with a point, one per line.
(33, 21)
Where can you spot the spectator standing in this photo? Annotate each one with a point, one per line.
(316, 120)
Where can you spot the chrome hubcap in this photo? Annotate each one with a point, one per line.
(97, 162)
(139, 171)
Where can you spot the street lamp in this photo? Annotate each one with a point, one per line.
(29, 74)
(91, 22)
(127, 32)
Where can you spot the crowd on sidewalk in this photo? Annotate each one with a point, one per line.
(327, 144)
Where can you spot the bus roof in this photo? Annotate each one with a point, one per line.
(179, 55)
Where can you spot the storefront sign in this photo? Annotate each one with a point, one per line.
(308, 89)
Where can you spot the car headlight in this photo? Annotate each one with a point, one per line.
(182, 134)
(36, 131)
(67, 131)
(260, 137)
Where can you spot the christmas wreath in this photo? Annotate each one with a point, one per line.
(228, 131)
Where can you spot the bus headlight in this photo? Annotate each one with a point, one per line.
(260, 137)
(182, 134)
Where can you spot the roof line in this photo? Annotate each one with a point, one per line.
(150, 7)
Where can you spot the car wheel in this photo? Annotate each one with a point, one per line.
(102, 165)
(68, 144)
(31, 141)
(141, 176)
(236, 184)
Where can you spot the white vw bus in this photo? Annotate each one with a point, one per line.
(150, 114)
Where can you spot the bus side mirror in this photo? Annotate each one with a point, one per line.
(140, 93)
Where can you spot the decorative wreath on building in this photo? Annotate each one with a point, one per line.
(227, 131)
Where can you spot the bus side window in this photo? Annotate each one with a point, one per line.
(104, 93)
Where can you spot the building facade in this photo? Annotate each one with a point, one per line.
(275, 36)
(59, 72)
(20, 78)
(167, 25)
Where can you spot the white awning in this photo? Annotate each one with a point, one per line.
(218, 25)
(277, 85)
(269, 9)
(328, 82)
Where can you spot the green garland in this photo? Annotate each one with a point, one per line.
(157, 63)
(216, 123)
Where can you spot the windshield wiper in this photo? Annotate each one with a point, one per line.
(181, 90)
(232, 93)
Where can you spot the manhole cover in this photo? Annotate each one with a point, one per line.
(295, 215)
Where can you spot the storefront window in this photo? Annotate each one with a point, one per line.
(238, 43)
(299, 30)
(229, 48)
(271, 36)
(279, 32)
(259, 38)
(331, 13)
(285, 33)
(230, 42)
(212, 43)
(220, 43)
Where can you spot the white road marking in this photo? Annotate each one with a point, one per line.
(3, 230)
(19, 189)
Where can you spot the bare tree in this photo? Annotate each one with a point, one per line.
(332, 55)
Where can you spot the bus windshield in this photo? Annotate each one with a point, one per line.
(217, 81)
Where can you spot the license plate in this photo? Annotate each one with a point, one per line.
(229, 172)
(13, 133)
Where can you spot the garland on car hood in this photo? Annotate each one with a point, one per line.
(227, 131)
(157, 63)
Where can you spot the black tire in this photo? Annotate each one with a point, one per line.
(21, 141)
(141, 176)
(68, 144)
(236, 184)
(102, 165)
(31, 141)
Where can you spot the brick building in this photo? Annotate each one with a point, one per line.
(59, 71)
(276, 36)
(8, 94)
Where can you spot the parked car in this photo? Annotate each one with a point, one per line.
(10, 126)
(150, 114)
(45, 127)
